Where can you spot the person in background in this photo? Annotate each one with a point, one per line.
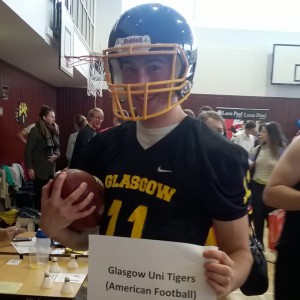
(272, 145)
(204, 108)
(189, 112)
(213, 120)
(246, 137)
(85, 134)
(283, 191)
(7, 234)
(118, 121)
(23, 133)
(257, 140)
(79, 122)
(164, 147)
(41, 151)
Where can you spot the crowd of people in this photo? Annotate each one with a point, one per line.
(158, 133)
(264, 148)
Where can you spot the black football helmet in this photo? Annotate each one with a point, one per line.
(150, 29)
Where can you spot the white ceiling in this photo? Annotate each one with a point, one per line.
(22, 47)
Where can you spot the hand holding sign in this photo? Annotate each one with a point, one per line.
(140, 269)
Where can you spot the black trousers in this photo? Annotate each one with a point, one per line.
(287, 273)
(260, 210)
(38, 184)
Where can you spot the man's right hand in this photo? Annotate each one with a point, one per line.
(58, 213)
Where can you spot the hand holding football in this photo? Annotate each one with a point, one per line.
(74, 178)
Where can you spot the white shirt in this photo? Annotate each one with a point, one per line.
(71, 143)
(247, 142)
(29, 127)
(264, 165)
(147, 137)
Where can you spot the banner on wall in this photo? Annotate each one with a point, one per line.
(235, 117)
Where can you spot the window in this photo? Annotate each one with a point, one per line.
(82, 12)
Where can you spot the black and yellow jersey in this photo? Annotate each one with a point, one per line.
(174, 189)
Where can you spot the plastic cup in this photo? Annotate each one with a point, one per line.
(33, 258)
(43, 247)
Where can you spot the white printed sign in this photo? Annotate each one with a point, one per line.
(139, 269)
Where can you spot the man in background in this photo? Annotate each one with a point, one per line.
(85, 134)
(245, 138)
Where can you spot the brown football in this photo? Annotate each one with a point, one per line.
(72, 182)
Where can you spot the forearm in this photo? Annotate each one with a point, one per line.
(20, 137)
(4, 244)
(233, 241)
(282, 196)
(28, 162)
(70, 239)
(242, 265)
(27, 158)
(29, 151)
(4, 238)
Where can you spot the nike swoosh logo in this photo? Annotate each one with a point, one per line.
(159, 169)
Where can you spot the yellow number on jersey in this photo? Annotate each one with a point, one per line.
(137, 217)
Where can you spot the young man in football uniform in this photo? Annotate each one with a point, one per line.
(165, 174)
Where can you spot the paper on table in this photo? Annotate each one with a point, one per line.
(23, 247)
(69, 250)
(9, 287)
(140, 269)
(60, 277)
(14, 262)
(58, 251)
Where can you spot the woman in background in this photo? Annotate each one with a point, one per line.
(272, 145)
(79, 122)
(41, 151)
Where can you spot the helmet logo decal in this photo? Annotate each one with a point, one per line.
(132, 40)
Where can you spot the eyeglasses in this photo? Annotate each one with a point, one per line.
(99, 118)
